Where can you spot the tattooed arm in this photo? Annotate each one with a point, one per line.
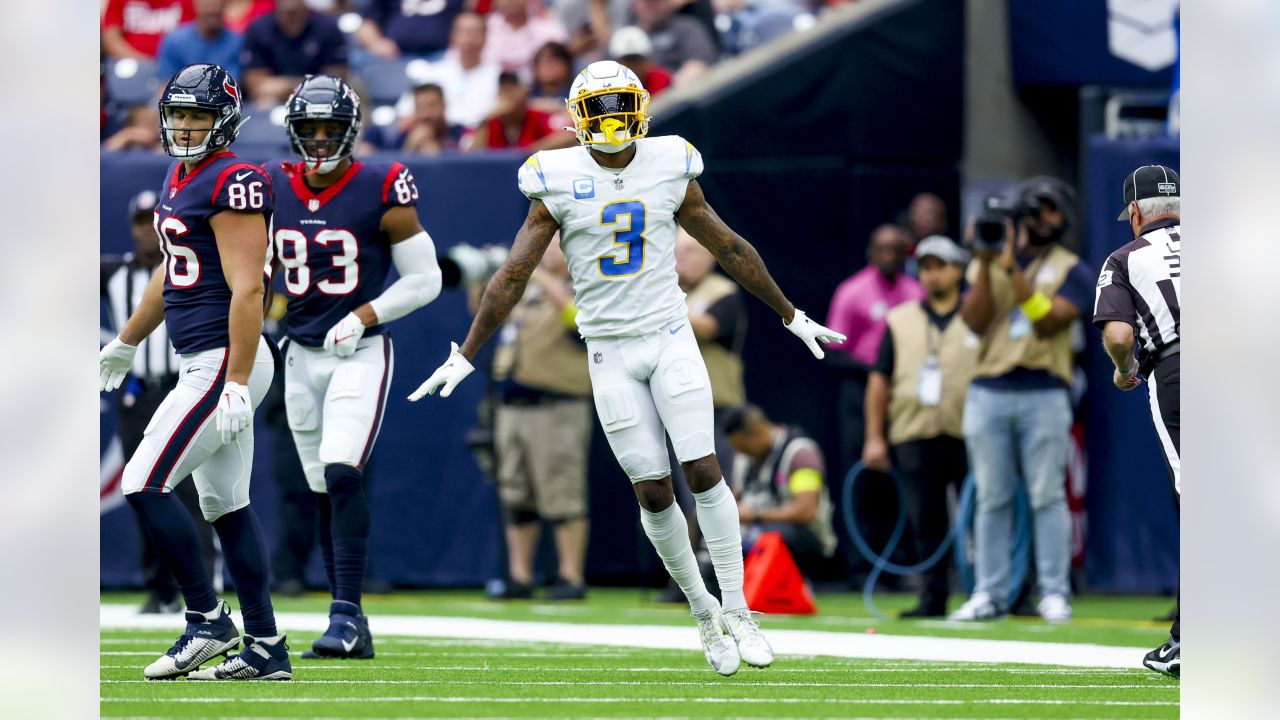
(735, 254)
(506, 287)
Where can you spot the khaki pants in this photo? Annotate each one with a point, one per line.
(542, 458)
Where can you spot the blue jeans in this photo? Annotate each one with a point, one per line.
(1008, 430)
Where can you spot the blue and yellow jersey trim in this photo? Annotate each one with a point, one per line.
(533, 163)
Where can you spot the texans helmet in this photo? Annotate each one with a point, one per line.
(329, 99)
(204, 87)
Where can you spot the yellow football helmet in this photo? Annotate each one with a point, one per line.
(609, 106)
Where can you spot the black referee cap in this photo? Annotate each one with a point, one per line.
(144, 203)
(1149, 181)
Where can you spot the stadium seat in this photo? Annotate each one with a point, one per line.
(131, 82)
(384, 80)
(261, 135)
(768, 25)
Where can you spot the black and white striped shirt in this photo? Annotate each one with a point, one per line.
(124, 280)
(1140, 285)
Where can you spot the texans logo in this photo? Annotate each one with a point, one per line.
(231, 89)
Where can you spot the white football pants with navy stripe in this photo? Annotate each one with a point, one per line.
(649, 386)
(182, 438)
(335, 405)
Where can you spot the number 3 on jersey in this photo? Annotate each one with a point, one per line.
(632, 236)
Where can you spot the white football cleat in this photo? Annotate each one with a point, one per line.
(205, 637)
(752, 647)
(1054, 608)
(981, 606)
(718, 647)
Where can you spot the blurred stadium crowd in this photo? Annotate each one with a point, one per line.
(437, 75)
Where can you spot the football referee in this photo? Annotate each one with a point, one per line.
(1137, 305)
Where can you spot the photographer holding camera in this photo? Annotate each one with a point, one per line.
(1027, 291)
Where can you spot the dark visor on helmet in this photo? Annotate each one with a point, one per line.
(622, 102)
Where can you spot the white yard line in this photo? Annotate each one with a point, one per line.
(1147, 675)
(709, 683)
(787, 642)
(614, 700)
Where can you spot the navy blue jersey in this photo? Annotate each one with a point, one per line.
(197, 299)
(331, 243)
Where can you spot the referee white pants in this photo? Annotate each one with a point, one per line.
(335, 405)
(182, 439)
(649, 384)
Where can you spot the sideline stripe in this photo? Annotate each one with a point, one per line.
(786, 642)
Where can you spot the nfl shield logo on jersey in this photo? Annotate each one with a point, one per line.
(172, 192)
(617, 184)
(313, 204)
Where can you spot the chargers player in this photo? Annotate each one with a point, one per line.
(616, 200)
(212, 227)
(338, 226)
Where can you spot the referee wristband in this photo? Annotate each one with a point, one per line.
(1037, 307)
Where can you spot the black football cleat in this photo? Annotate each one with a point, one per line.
(348, 636)
(1166, 659)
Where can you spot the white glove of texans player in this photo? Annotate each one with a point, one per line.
(452, 372)
(811, 333)
(342, 338)
(113, 364)
(235, 411)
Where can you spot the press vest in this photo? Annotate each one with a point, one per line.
(724, 365)
(1011, 342)
(761, 486)
(538, 350)
(915, 338)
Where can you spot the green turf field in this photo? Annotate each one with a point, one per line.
(433, 677)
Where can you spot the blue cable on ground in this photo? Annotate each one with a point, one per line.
(964, 512)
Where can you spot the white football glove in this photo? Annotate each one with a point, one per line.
(235, 411)
(452, 372)
(811, 333)
(342, 338)
(113, 364)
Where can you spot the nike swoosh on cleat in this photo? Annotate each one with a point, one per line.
(676, 329)
(349, 646)
(243, 175)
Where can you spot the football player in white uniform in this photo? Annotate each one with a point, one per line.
(616, 200)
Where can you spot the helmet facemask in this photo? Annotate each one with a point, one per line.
(218, 135)
(323, 155)
(610, 119)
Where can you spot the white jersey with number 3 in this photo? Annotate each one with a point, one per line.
(618, 231)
